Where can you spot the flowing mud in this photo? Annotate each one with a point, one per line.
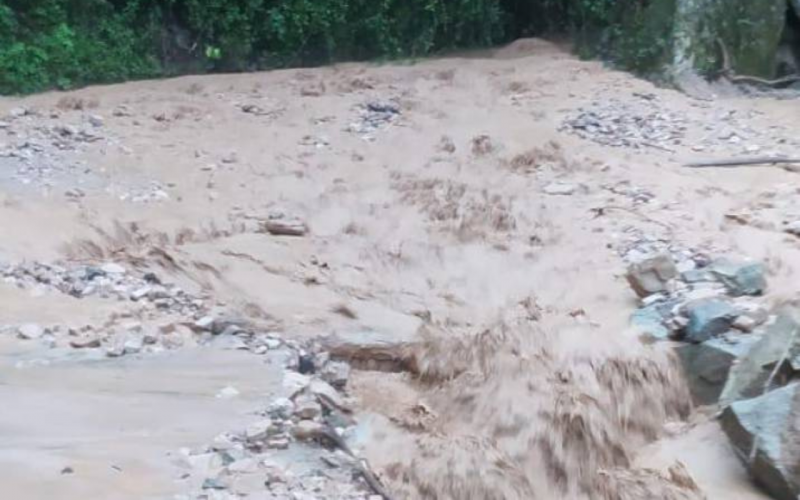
(458, 228)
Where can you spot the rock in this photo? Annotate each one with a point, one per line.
(560, 189)
(307, 429)
(306, 407)
(96, 120)
(336, 373)
(227, 393)
(748, 376)
(243, 466)
(214, 484)
(281, 408)
(709, 318)
(745, 324)
(651, 275)
(649, 321)
(305, 364)
(793, 228)
(112, 268)
(740, 277)
(285, 227)
(322, 389)
(278, 444)
(768, 425)
(697, 275)
(706, 365)
(133, 344)
(206, 323)
(30, 331)
(371, 350)
(259, 431)
(294, 382)
(85, 343)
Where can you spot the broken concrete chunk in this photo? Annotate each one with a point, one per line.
(740, 277)
(764, 430)
(651, 275)
(709, 318)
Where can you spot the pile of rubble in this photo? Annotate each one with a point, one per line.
(735, 353)
(313, 414)
(373, 117)
(644, 122)
(633, 124)
(39, 147)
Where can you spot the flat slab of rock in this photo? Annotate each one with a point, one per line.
(651, 275)
(766, 432)
(371, 350)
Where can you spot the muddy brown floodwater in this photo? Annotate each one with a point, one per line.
(447, 206)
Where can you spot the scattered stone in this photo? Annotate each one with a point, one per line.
(112, 268)
(281, 408)
(649, 321)
(651, 275)
(227, 393)
(793, 228)
(709, 318)
(764, 432)
(307, 429)
(740, 277)
(214, 484)
(336, 373)
(294, 382)
(306, 407)
(259, 431)
(278, 444)
(279, 224)
(331, 396)
(560, 188)
(305, 364)
(67, 470)
(30, 331)
(96, 120)
(745, 324)
(86, 343)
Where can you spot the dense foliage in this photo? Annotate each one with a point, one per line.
(65, 43)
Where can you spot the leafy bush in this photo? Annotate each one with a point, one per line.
(66, 43)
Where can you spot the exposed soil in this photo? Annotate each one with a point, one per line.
(453, 204)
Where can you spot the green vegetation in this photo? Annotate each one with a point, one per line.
(66, 43)
(47, 44)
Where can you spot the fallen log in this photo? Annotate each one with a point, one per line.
(742, 162)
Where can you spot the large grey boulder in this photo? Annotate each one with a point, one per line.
(765, 431)
(707, 365)
(779, 339)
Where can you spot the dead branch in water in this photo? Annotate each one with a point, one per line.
(731, 76)
(741, 162)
